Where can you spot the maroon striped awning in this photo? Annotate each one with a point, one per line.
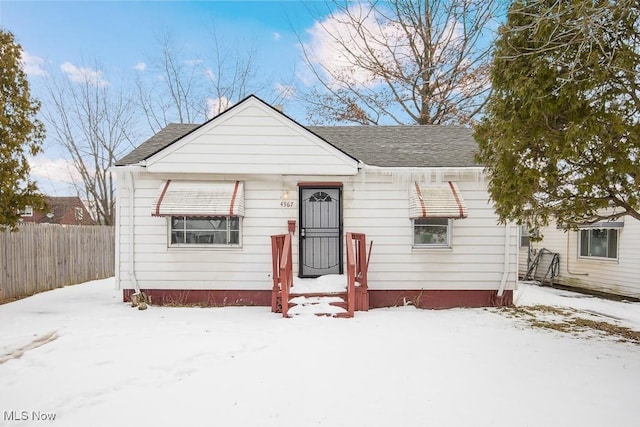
(436, 201)
(200, 198)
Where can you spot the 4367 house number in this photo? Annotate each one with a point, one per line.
(287, 204)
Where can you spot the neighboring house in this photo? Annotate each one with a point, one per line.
(62, 210)
(197, 204)
(602, 257)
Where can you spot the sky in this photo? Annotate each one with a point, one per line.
(82, 357)
(114, 44)
(114, 41)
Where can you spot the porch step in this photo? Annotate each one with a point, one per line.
(319, 304)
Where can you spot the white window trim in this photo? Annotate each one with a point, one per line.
(201, 246)
(426, 246)
(524, 231)
(27, 211)
(598, 258)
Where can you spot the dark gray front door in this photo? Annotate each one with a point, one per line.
(320, 231)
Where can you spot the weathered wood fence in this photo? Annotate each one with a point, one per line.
(40, 257)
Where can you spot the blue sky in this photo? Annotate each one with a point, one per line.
(113, 43)
(121, 33)
(114, 36)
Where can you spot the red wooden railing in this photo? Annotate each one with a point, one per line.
(282, 271)
(357, 267)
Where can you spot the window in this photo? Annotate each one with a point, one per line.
(210, 230)
(526, 234)
(79, 214)
(432, 232)
(320, 196)
(27, 211)
(599, 243)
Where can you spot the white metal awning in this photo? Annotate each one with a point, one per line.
(200, 198)
(436, 201)
(603, 225)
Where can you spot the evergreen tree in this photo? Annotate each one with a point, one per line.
(561, 133)
(21, 135)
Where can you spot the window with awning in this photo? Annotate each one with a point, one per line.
(200, 198)
(436, 201)
(432, 207)
(599, 239)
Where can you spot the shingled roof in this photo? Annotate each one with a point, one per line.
(385, 146)
(404, 146)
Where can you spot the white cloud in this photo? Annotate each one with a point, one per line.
(335, 45)
(285, 91)
(140, 66)
(192, 62)
(32, 65)
(56, 170)
(277, 36)
(217, 106)
(83, 74)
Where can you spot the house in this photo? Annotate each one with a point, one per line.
(197, 207)
(62, 210)
(602, 257)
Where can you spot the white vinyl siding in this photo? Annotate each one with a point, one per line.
(618, 276)
(376, 205)
(254, 140)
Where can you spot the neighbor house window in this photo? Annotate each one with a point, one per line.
(599, 243)
(79, 214)
(526, 234)
(27, 211)
(209, 230)
(432, 232)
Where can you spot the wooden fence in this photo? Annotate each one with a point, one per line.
(40, 257)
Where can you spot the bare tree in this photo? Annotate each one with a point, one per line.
(401, 61)
(233, 76)
(187, 87)
(175, 93)
(94, 123)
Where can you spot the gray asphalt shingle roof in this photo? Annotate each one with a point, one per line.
(390, 146)
(404, 146)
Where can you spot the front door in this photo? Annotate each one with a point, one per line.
(320, 231)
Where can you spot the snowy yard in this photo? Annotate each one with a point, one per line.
(82, 356)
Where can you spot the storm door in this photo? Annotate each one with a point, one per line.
(320, 231)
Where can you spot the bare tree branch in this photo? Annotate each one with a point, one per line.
(400, 61)
(94, 123)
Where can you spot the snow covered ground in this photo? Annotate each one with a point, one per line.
(82, 356)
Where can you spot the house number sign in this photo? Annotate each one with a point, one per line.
(287, 204)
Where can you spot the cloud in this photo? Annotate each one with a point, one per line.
(83, 74)
(56, 170)
(209, 73)
(32, 65)
(140, 66)
(217, 106)
(193, 62)
(342, 52)
(285, 91)
(277, 36)
(330, 55)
